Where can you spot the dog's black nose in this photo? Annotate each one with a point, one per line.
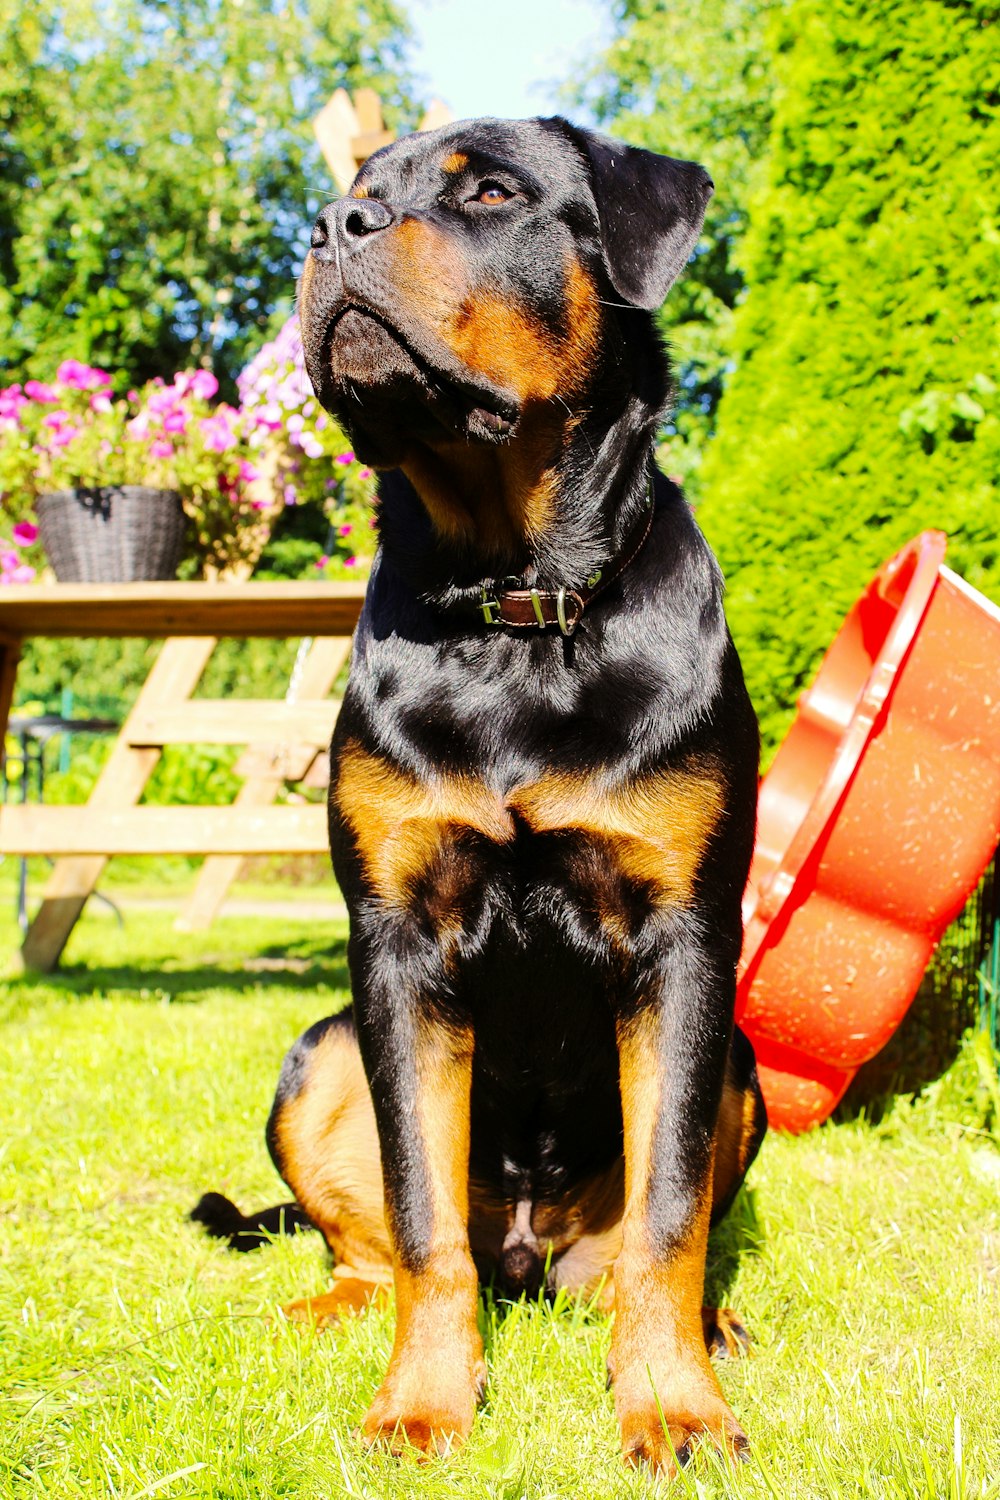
(351, 220)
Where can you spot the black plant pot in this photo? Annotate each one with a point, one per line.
(113, 534)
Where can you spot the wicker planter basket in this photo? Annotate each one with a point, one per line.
(114, 534)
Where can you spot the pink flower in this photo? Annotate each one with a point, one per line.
(80, 376)
(100, 401)
(218, 435)
(25, 533)
(247, 472)
(163, 401)
(321, 562)
(11, 401)
(57, 419)
(269, 416)
(204, 385)
(36, 391)
(290, 495)
(161, 448)
(349, 562)
(175, 421)
(345, 458)
(259, 504)
(344, 530)
(310, 447)
(13, 570)
(138, 428)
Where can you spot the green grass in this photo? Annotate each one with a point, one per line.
(137, 1358)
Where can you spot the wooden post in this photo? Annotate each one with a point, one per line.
(121, 783)
(348, 131)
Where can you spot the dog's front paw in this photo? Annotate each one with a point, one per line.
(660, 1427)
(434, 1416)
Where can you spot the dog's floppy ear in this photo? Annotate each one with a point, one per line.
(651, 210)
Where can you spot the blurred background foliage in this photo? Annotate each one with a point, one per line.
(158, 172)
(836, 334)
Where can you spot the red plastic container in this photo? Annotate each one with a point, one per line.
(877, 818)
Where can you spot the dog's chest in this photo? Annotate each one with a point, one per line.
(441, 838)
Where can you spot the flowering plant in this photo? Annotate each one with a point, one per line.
(236, 469)
(207, 453)
(13, 568)
(311, 459)
(74, 432)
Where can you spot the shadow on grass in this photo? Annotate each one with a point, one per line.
(739, 1234)
(301, 964)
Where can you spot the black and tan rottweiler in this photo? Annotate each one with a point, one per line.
(542, 792)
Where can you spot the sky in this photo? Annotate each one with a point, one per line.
(506, 58)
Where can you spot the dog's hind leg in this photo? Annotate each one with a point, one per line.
(584, 1260)
(739, 1133)
(742, 1125)
(322, 1136)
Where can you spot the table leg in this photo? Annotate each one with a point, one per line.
(10, 655)
(174, 677)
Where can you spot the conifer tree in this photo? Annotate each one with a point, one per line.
(864, 404)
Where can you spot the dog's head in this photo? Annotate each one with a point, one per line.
(474, 275)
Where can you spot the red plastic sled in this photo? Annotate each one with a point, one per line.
(877, 818)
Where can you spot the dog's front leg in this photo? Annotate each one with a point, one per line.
(420, 1073)
(672, 1049)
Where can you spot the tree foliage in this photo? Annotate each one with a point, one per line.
(864, 405)
(693, 78)
(157, 170)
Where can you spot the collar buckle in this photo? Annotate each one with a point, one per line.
(491, 608)
(564, 625)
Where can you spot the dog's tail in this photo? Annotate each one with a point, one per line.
(223, 1221)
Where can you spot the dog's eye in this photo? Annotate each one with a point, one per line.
(492, 193)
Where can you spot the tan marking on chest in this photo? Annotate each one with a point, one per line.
(399, 823)
(656, 827)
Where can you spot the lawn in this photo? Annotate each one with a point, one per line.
(138, 1358)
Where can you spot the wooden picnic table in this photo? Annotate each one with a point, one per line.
(283, 737)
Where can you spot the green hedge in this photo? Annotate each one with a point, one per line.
(864, 404)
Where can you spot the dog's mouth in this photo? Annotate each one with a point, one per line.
(373, 374)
